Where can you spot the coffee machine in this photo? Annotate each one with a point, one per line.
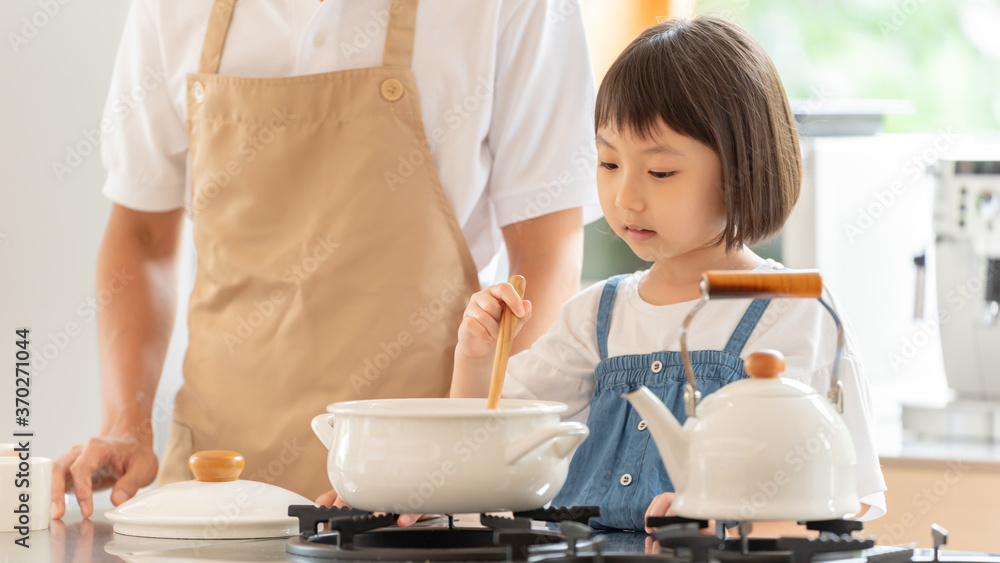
(966, 266)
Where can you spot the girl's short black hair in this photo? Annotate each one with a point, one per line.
(708, 79)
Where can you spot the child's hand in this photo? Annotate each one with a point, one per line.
(481, 323)
(331, 498)
(660, 507)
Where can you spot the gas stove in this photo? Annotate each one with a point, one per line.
(679, 540)
(352, 535)
(563, 535)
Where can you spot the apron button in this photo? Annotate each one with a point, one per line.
(657, 366)
(198, 91)
(642, 425)
(626, 479)
(392, 89)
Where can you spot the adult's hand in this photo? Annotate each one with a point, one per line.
(136, 270)
(124, 463)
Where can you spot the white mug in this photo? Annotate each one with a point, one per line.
(26, 494)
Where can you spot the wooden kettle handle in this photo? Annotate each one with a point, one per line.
(718, 284)
(508, 322)
(216, 465)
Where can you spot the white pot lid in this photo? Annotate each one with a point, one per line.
(216, 505)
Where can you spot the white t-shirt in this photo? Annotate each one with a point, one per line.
(560, 365)
(505, 85)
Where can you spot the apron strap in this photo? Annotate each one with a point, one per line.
(743, 330)
(398, 36)
(604, 312)
(215, 36)
(399, 33)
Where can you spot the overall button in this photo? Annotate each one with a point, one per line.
(657, 366)
(198, 91)
(642, 425)
(626, 479)
(392, 89)
(319, 40)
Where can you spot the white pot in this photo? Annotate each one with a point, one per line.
(447, 455)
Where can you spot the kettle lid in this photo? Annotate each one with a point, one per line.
(764, 369)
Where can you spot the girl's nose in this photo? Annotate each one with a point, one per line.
(628, 196)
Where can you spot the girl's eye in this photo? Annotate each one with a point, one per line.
(661, 175)
(609, 165)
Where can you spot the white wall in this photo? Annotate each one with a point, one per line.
(53, 86)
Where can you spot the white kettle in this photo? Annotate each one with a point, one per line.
(763, 448)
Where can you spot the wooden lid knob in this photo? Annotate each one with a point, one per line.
(216, 465)
(765, 364)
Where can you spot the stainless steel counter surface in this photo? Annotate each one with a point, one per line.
(74, 539)
(92, 541)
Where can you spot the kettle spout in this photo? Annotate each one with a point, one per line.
(668, 434)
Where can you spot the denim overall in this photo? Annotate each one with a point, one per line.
(618, 467)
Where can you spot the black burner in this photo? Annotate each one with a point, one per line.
(610, 558)
(418, 544)
(683, 540)
(354, 535)
(361, 536)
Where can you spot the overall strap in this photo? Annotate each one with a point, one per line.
(743, 330)
(399, 33)
(215, 36)
(604, 312)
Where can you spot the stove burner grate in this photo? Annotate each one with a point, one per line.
(681, 537)
(419, 544)
(356, 535)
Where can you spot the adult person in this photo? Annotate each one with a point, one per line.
(353, 167)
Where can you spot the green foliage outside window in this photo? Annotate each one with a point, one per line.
(943, 55)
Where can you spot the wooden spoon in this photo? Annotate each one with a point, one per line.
(508, 322)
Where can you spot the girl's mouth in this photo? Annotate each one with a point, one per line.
(638, 233)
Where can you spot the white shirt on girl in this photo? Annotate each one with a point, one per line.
(560, 365)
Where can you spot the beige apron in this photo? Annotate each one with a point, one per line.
(331, 266)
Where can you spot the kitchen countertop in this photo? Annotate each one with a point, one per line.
(92, 541)
(894, 443)
(78, 540)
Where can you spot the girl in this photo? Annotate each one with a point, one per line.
(698, 158)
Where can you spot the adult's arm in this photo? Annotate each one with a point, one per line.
(548, 252)
(544, 162)
(137, 266)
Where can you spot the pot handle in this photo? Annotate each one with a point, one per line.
(322, 425)
(568, 436)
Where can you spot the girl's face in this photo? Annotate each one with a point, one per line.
(662, 195)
